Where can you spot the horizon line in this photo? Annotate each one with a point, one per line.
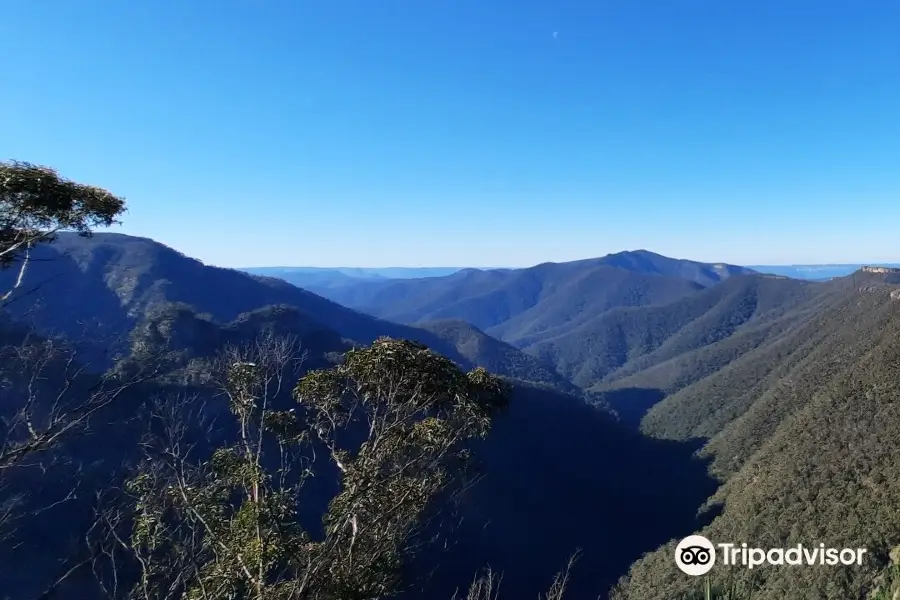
(495, 268)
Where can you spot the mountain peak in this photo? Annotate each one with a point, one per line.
(640, 252)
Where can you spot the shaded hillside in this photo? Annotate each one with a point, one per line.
(480, 349)
(122, 278)
(588, 319)
(840, 324)
(803, 430)
(536, 298)
(626, 341)
(178, 332)
(105, 285)
(583, 295)
(190, 336)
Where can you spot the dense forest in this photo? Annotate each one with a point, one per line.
(176, 430)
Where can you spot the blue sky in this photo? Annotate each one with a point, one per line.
(470, 132)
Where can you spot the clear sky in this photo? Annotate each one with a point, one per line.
(470, 132)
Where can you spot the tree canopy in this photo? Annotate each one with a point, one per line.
(394, 419)
(36, 202)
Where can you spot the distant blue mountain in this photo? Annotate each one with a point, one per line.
(361, 272)
(328, 277)
(816, 272)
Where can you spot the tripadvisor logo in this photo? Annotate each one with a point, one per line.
(696, 555)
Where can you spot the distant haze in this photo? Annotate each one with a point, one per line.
(813, 272)
(359, 272)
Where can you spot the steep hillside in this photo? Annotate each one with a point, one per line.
(560, 477)
(177, 331)
(102, 287)
(624, 341)
(802, 431)
(114, 278)
(480, 349)
(582, 295)
(841, 323)
(586, 318)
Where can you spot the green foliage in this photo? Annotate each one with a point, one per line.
(229, 527)
(35, 202)
(887, 585)
(719, 591)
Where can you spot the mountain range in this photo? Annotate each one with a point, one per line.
(327, 277)
(655, 398)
